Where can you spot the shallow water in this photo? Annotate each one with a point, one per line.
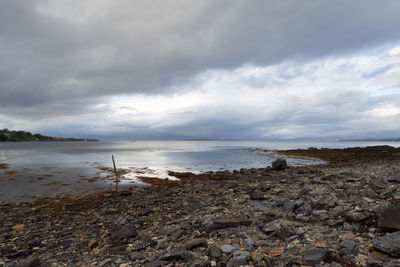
(57, 168)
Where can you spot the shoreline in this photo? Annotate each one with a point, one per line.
(305, 215)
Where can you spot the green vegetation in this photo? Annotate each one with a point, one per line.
(23, 136)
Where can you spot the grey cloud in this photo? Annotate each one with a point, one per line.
(379, 71)
(148, 47)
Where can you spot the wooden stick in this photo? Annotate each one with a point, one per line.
(116, 175)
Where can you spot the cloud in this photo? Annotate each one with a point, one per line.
(172, 69)
(65, 50)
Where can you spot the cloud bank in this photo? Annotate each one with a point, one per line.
(208, 69)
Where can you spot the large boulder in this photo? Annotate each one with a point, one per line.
(389, 219)
(389, 244)
(279, 164)
(122, 232)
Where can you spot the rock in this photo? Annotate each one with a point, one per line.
(92, 244)
(138, 256)
(356, 216)
(321, 214)
(305, 209)
(249, 243)
(232, 222)
(227, 249)
(239, 258)
(122, 232)
(214, 252)
(389, 219)
(257, 195)
(157, 263)
(279, 164)
(389, 244)
(348, 247)
(178, 255)
(313, 256)
(65, 243)
(18, 227)
(125, 193)
(195, 243)
(277, 251)
(31, 261)
(105, 262)
(117, 250)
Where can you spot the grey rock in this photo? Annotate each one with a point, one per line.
(279, 164)
(30, 261)
(249, 243)
(214, 252)
(389, 244)
(178, 255)
(93, 243)
(105, 262)
(232, 222)
(304, 209)
(227, 249)
(356, 216)
(389, 219)
(239, 258)
(195, 243)
(257, 195)
(313, 256)
(348, 246)
(122, 232)
(321, 214)
(138, 256)
(272, 226)
(157, 263)
(125, 192)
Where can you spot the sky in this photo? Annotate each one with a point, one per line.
(179, 69)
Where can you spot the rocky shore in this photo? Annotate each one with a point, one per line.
(343, 213)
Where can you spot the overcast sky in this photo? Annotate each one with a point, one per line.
(172, 69)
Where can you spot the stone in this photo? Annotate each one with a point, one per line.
(356, 216)
(105, 262)
(92, 244)
(178, 255)
(389, 219)
(117, 250)
(257, 195)
(232, 222)
(239, 258)
(18, 227)
(195, 243)
(227, 249)
(321, 214)
(279, 164)
(214, 252)
(304, 209)
(348, 247)
(277, 251)
(138, 256)
(157, 263)
(313, 256)
(124, 193)
(389, 244)
(249, 243)
(30, 261)
(122, 232)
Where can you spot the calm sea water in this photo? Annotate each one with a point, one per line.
(57, 168)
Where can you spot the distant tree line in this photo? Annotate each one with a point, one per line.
(18, 136)
(8, 135)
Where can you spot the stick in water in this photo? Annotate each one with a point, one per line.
(116, 175)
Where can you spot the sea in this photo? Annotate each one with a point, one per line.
(50, 169)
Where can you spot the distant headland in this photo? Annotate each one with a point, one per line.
(24, 136)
